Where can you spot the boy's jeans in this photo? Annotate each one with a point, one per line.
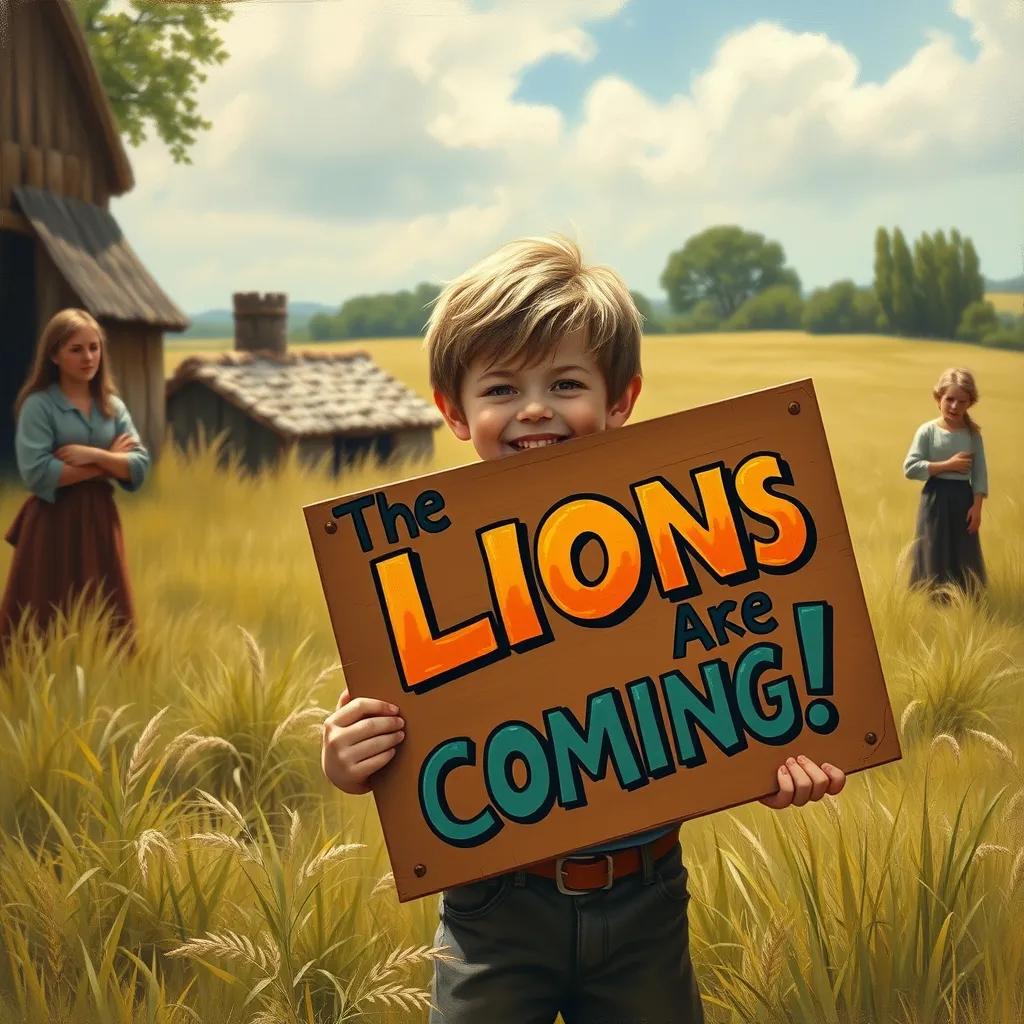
(523, 951)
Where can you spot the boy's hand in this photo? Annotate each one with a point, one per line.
(801, 780)
(359, 738)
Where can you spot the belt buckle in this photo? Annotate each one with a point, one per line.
(565, 890)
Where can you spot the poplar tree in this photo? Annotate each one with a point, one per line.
(904, 309)
(883, 274)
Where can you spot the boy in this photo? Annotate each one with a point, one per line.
(531, 348)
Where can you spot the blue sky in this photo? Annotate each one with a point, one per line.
(367, 145)
(660, 44)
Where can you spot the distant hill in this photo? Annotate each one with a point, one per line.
(1011, 284)
(220, 323)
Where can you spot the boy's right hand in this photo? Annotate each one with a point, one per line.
(959, 463)
(360, 737)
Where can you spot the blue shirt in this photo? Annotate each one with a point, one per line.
(933, 443)
(48, 420)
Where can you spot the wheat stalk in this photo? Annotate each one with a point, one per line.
(328, 856)
(1013, 804)
(143, 747)
(222, 841)
(909, 712)
(313, 715)
(385, 883)
(984, 849)
(148, 840)
(232, 946)
(295, 826)
(944, 739)
(400, 959)
(256, 660)
(225, 808)
(997, 745)
(1017, 870)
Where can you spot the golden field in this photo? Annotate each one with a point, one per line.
(1007, 302)
(169, 851)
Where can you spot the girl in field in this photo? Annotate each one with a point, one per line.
(74, 435)
(948, 454)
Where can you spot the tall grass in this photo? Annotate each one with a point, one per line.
(169, 851)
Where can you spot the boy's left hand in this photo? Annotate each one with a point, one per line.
(801, 780)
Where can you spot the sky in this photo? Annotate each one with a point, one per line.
(367, 145)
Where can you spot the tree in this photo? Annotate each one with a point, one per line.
(979, 319)
(904, 307)
(652, 325)
(841, 308)
(386, 315)
(883, 273)
(728, 266)
(776, 308)
(973, 282)
(150, 58)
(928, 296)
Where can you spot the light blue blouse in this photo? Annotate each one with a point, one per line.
(933, 443)
(49, 420)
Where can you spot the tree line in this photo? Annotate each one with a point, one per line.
(728, 279)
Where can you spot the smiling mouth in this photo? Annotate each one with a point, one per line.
(524, 443)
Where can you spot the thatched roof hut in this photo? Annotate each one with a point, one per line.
(338, 407)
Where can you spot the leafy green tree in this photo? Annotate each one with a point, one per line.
(726, 265)
(974, 283)
(385, 315)
(979, 319)
(652, 322)
(951, 281)
(928, 295)
(904, 306)
(883, 273)
(702, 319)
(841, 308)
(150, 55)
(776, 308)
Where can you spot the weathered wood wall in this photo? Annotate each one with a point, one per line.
(50, 134)
(136, 354)
(195, 412)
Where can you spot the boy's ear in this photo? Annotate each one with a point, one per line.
(452, 415)
(621, 410)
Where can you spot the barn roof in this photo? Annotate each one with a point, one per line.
(90, 251)
(76, 51)
(307, 394)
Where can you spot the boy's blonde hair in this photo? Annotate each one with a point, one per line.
(957, 376)
(517, 303)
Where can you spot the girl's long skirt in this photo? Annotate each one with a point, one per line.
(63, 549)
(944, 552)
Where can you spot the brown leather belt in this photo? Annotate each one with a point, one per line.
(578, 874)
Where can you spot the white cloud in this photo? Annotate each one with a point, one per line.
(373, 143)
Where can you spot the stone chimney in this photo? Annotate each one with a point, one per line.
(261, 322)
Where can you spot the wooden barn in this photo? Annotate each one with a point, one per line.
(333, 408)
(61, 160)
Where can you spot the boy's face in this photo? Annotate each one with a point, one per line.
(504, 409)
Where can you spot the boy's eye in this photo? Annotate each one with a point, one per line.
(499, 390)
(566, 385)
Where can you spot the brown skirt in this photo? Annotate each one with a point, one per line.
(62, 550)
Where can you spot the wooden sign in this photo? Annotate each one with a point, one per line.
(605, 635)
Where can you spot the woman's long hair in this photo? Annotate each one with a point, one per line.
(45, 372)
